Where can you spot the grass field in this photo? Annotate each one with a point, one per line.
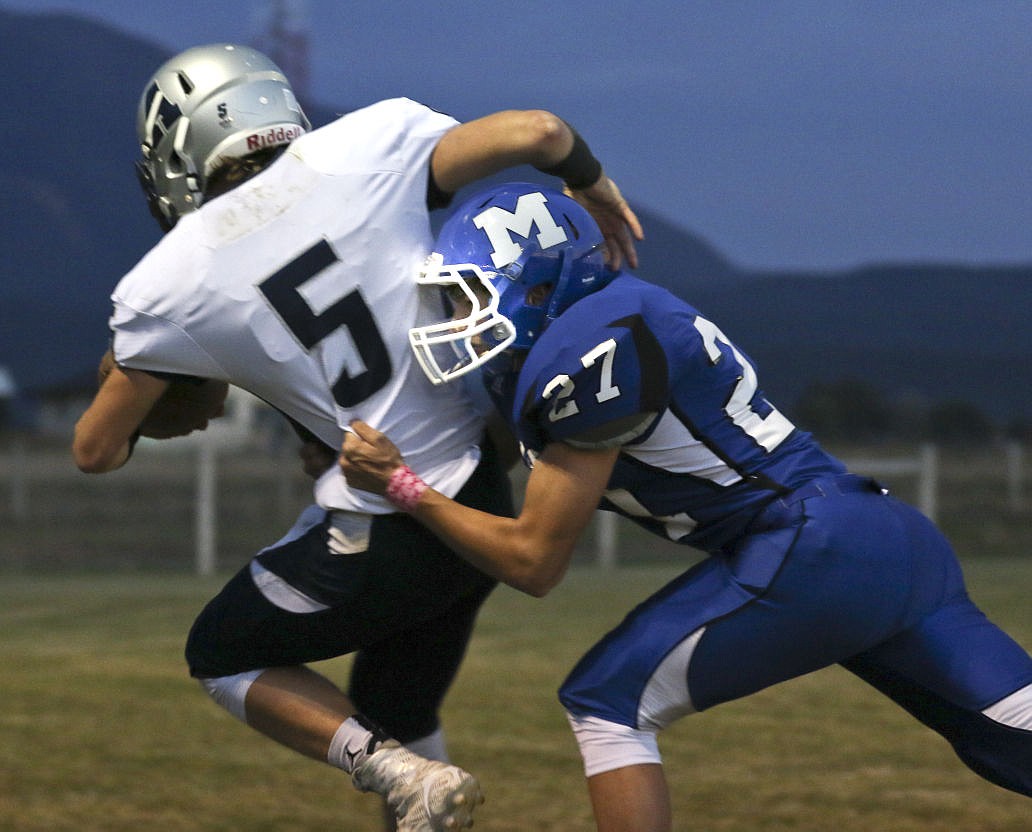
(101, 730)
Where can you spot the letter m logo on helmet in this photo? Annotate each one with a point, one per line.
(499, 225)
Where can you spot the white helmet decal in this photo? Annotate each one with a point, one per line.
(531, 210)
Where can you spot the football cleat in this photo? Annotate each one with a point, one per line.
(425, 795)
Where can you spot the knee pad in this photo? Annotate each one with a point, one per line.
(608, 745)
(1014, 711)
(229, 692)
(997, 743)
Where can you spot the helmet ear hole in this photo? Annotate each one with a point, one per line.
(176, 165)
(184, 83)
(538, 295)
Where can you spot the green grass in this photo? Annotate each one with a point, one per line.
(100, 728)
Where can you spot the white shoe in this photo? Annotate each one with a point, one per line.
(425, 795)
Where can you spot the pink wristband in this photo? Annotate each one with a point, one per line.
(404, 488)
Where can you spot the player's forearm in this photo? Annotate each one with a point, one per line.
(499, 141)
(508, 549)
(106, 433)
(102, 461)
(97, 451)
(530, 552)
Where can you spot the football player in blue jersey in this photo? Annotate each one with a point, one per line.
(624, 397)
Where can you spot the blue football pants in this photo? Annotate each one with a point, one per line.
(837, 572)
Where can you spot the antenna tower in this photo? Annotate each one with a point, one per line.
(283, 36)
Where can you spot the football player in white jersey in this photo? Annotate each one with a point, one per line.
(625, 397)
(287, 271)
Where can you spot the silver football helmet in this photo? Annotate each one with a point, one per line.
(203, 107)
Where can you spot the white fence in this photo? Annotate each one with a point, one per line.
(17, 473)
(924, 465)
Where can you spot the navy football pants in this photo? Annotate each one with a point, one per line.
(406, 606)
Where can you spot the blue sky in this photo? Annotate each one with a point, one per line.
(823, 134)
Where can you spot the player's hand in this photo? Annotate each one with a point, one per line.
(619, 224)
(368, 458)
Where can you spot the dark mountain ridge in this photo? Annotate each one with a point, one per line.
(74, 222)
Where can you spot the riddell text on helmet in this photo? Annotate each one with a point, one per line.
(272, 138)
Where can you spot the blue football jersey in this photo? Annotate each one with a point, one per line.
(634, 366)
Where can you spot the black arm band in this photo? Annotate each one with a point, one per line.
(436, 197)
(580, 169)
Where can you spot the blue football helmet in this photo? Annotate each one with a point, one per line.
(517, 256)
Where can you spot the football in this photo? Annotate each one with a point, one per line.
(186, 406)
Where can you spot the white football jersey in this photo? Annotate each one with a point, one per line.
(299, 286)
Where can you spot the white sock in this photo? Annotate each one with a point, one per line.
(353, 743)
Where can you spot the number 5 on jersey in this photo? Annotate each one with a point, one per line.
(283, 291)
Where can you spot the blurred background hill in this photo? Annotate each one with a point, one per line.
(73, 221)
